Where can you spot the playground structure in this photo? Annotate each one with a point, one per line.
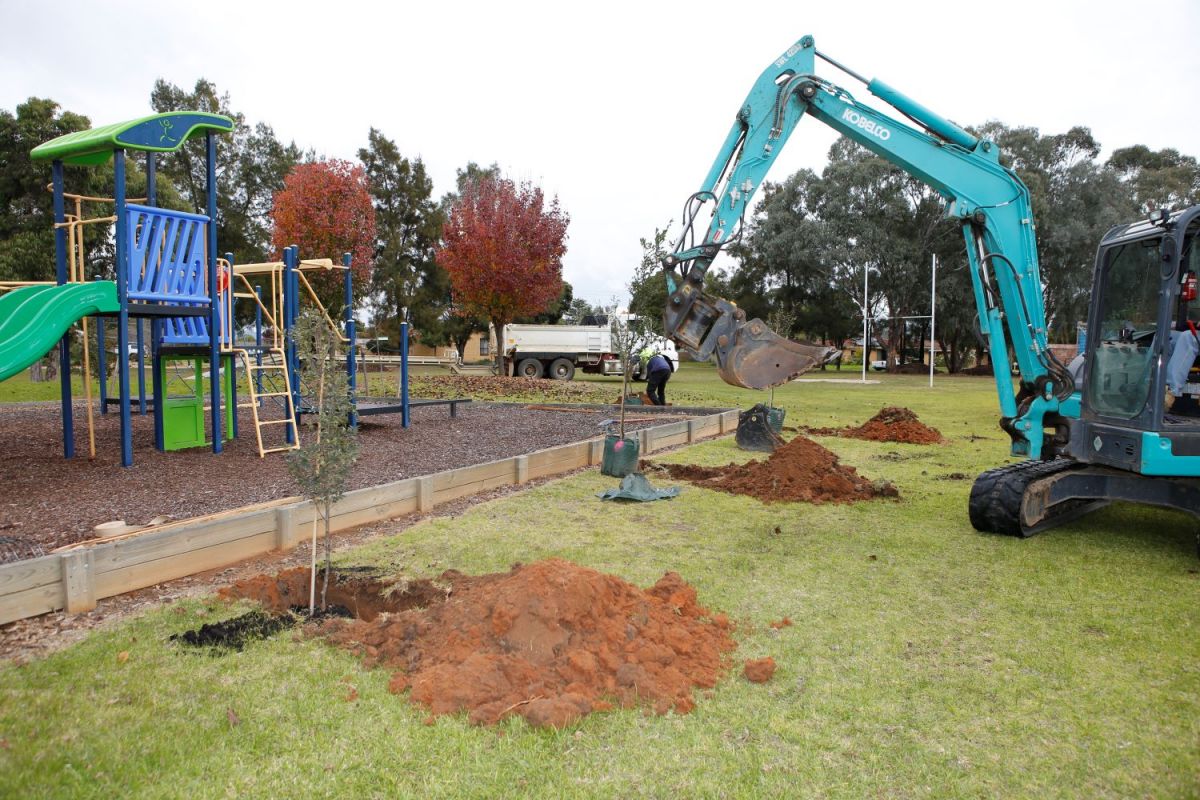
(166, 271)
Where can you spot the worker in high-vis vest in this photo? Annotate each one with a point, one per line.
(658, 372)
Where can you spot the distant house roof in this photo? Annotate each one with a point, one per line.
(160, 133)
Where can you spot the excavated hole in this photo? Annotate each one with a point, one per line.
(353, 593)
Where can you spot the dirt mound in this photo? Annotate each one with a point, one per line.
(549, 641)
(891, 424)
(799, 471)
(759, 670)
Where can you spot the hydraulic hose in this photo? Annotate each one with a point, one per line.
(1064, 383)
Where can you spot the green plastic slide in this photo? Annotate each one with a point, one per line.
(34, 318)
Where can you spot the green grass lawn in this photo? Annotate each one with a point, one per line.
(19, 389)
(925, 660)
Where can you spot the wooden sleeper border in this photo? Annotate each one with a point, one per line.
(74, 579)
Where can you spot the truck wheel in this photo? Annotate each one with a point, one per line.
(529, 368)
(562, 369)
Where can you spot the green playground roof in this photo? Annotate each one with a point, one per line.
(157, 133)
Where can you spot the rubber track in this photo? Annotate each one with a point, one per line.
(995, 505)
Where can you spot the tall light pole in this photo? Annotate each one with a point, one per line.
(932, 317)
(865, 343)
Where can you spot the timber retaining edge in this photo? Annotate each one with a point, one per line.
(75, 578)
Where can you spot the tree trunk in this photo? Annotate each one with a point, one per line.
(498, 323)
(895, 344)
(328, 556)
(951, 355)
(50, 365)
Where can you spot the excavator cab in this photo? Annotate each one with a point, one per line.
(1137, 434)
(1140, 404)
(1133, 440)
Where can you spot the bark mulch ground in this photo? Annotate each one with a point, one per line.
(44, 492)
(48, 501)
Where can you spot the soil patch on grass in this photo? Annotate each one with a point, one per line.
(550, 641)
(891, 424)
(759, 670)
(799, 471)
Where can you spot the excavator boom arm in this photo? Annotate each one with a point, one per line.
(989, 200)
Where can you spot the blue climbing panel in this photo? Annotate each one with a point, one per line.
(168, 266)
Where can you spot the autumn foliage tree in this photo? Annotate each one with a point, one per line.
(503, 246)
(325, 208)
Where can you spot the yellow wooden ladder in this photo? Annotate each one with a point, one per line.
(276, 366)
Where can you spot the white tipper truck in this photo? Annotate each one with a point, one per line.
(557, 351)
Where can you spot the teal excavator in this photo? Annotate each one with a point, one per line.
(1121, 423)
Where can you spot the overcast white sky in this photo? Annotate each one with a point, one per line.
(616, 107)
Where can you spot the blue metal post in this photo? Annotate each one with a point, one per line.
(141, 362)
(258, 341)
(156, 380)
(214, 331)
(160, 385)
(123, 315)
(64, 344)
(289, 350)
(151, 200)
(350, 341)
(405, 419)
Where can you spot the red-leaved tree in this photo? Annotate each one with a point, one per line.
(325, 208)
(503, 246)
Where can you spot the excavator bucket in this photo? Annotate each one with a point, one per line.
(759, 358)
(755, 432)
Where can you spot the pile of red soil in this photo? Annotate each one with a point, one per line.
(891, 424)
(759, 670)
(549, 641)
(799, 471)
